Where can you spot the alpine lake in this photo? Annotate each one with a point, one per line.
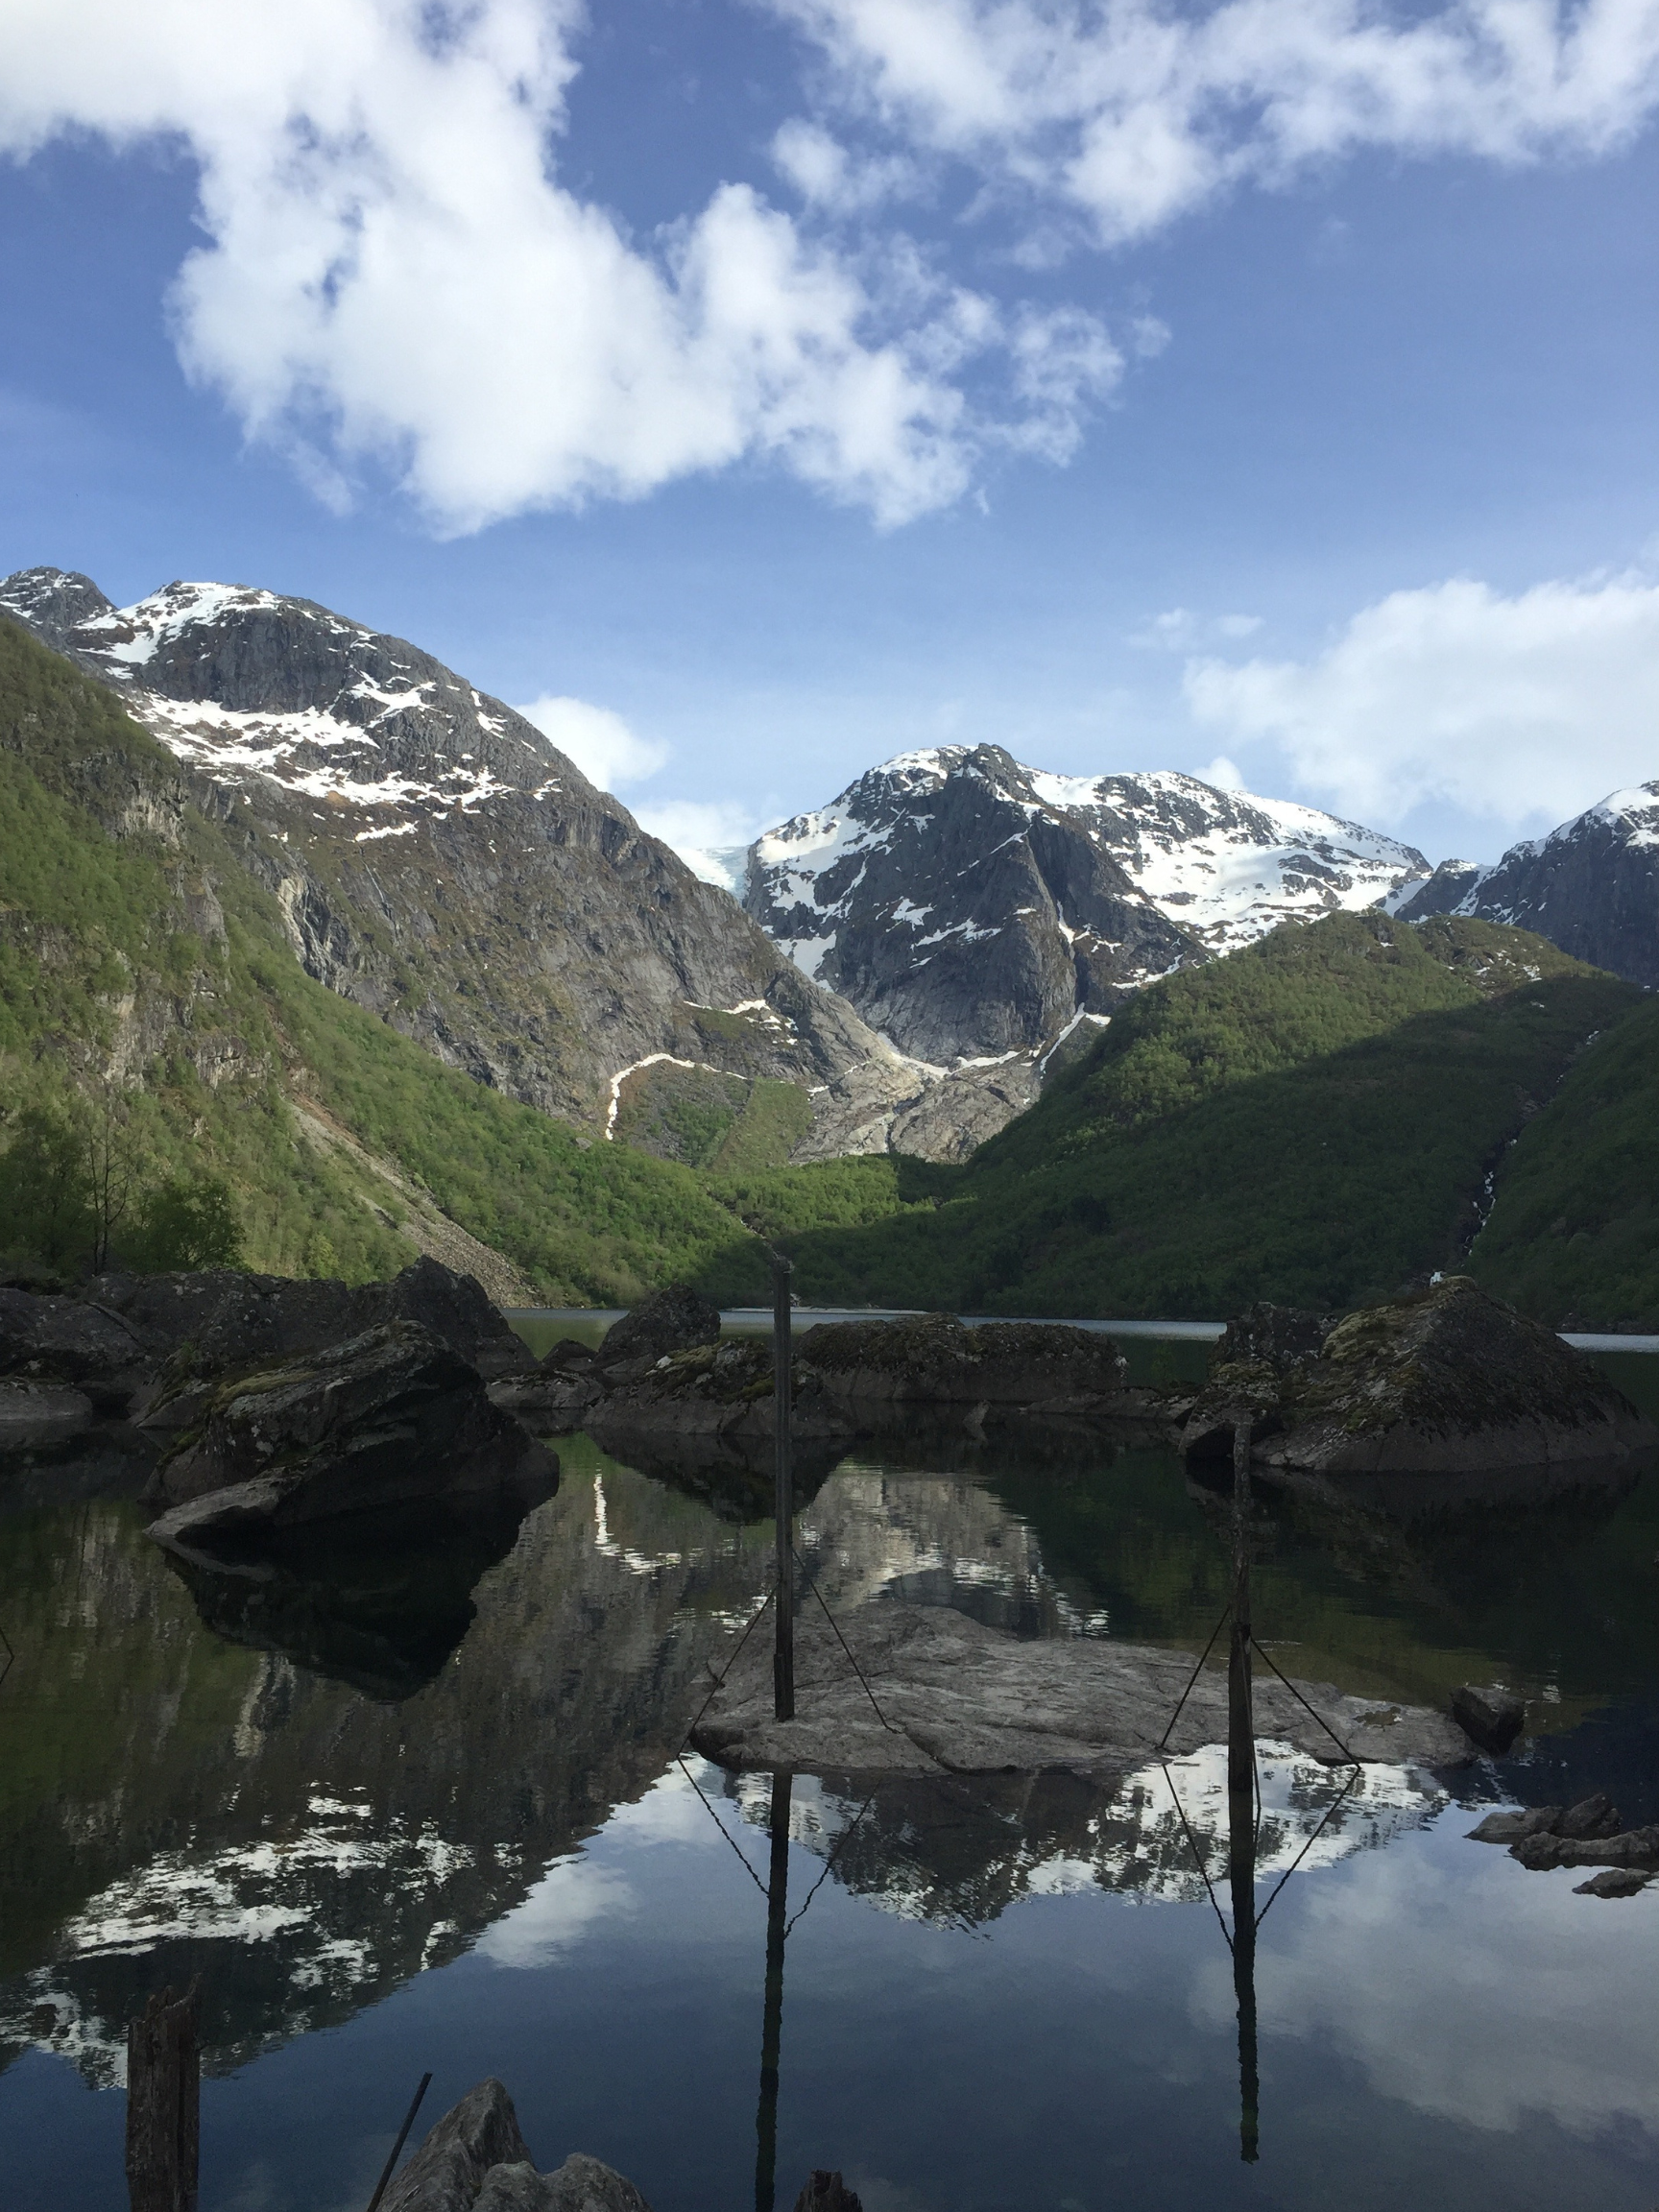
(439, 1824)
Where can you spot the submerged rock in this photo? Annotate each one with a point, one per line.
(389, 1418)
(951, 1696)
(672, 1320)
(936, 1360)
(1445, 1379)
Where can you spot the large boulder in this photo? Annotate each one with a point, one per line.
(218, 1319)
(1443, 1380)
(387, 1419)
(956, 1696)
(69, 1341)
(936, 1360)
(675, 1319)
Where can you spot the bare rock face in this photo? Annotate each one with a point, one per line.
(674, 1319)
(1591, 887)
(957, 1697)
(936, 1360)
(1444, 1381)
(389, 1418)
(447, 2172)
(1492, 1717)
(476, 2160)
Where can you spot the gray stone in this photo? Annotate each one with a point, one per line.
(446, 2174)
(1591, 1819)
(1635, 1848)
(675, 1319)
(1491, 1718)
(1280, 1336)
(956, 1696)
(388, 1418)
(1613, 1882)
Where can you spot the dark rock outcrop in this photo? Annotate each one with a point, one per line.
(716, 1390)
(1588, 1834)
(582, 2184)
(1613, 1882)
(32, 1413)
(384, 1420)
(46, 1339)
(674, 1319)
(936, 1359)
(1492, 1717)
(557, 1394)
(1277, 1335)
(221, 1320)
(1446, 1380)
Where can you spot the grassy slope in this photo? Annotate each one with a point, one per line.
(1311, 1119)
(1574, 1230)
(110, 950)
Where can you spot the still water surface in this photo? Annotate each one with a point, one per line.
(1001, 1996)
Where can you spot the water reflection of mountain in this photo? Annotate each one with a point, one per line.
(173, 1802)
(961, 1850)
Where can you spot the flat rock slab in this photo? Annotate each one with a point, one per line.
(957, 1697)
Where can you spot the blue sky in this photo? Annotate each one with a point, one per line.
(772, 387)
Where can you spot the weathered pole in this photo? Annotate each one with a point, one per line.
(772, 2031)
(783, 1502)
(164, 2105)
(1241, 1795)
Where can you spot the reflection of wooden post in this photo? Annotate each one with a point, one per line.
(163, 2104)
(1241, 1795)
(772, 2031)
(783, 1502)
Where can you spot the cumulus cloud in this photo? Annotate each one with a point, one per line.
(393, 276)
(1131, 114)
(602, 745)
(1505, 706)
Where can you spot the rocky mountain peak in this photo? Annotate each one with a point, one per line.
(1592, 886)
(972, 906)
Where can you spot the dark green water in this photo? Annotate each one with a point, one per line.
(1001, 1996)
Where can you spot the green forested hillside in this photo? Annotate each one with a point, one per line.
(1575, 1229)
(1312, 1120)
(153, 1018)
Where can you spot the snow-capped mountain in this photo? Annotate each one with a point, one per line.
(971, 906)
(1592, 886)
(438, 860)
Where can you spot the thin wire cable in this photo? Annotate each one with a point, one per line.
(842, 1641)
(732, 1839)
(1347, 1753)
(1163, 1742)
(1330, 1810)
(829, 1862)
(720, 1678)
(1203, 1865)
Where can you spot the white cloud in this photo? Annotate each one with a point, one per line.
(601, 744)
(1505, 706)
(828, 177)
(1179, 630)
(1132, 113)
(1222, 773)
(707, 834)
(573, 1897)
(395, 277)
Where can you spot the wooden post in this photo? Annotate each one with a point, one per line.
(1241, 1797)
(783, 1501)
(772, 2031)
(164, 2104)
